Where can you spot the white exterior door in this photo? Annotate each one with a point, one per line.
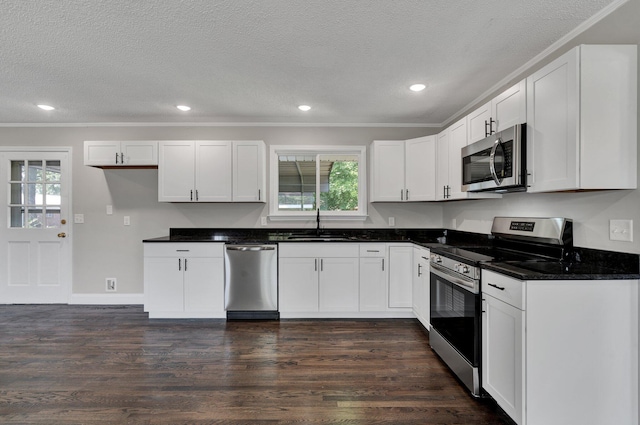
(35, 230)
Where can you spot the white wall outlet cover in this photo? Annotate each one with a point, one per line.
(109, 209)
(621, 230)
(392, 221)
(78, 218)
(127, 220)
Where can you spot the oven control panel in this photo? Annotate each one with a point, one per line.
(467, 270)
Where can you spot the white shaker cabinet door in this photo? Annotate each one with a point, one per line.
(213, 171)
(339, 283)
(373, 284)
(176, 171)
(420, 176)
(204, 284)
(388, 171)
(249, 171)
(400, 276)
(298, 284)
(164, 287)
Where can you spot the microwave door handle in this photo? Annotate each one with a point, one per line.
(492, 162)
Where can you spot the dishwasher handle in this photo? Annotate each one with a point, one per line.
(250, 247)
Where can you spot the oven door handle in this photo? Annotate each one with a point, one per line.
(492, 162)
(438, 270)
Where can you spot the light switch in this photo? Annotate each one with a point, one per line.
(621, 230)
(109, 209)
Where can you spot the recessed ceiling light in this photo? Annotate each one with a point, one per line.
(417, 87)
(304, 108)
(184, 108)
(46, 107)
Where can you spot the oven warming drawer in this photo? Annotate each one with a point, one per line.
(465, 372)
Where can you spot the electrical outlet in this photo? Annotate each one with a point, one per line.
(111, 284)
(621, 230)
(78, 218)
(109, 209)
(127, 220)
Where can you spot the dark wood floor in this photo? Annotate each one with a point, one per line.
(112, 365)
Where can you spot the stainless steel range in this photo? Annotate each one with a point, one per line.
(456, 305)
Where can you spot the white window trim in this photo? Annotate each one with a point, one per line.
(276, 215)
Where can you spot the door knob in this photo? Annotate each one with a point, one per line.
(62, 235)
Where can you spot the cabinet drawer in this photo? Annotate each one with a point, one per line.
(319, 249)
(372, 250)
(187, 249)
(504, 288)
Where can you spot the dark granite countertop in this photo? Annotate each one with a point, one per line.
(582, 264)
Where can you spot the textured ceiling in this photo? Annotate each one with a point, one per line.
(254, 61)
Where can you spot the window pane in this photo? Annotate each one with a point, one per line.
(16, 193)
(35, 171)
(339, 183)
(17, 216)
(52, 217)
(34, 194)
(17, 171)
(34, 217)
(53, 171)
(52, 195)
(297, 183)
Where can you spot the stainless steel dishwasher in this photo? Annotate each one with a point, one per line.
(251, 282)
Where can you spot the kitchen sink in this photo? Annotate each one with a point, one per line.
(327, 237)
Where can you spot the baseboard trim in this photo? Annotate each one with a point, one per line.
(107, 299)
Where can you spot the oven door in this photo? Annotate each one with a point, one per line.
(455, 314)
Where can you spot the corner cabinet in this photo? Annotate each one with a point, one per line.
(505, 110)
(121, 154)
(211, 171)
(403, 170)
(184, 280)
(449, 164)
(582, 120)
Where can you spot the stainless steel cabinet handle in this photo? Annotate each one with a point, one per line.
(401, 195)
(419, 270)
(185, 264)
(407, 197)
(321, 264)
(191, 195)
(182, 250)
(383, 264)
(496, 286)
(116, 157)
(179, 263)
(373, 250)
(315, 265)
(196, 194)
(121, 157)
(259, 197)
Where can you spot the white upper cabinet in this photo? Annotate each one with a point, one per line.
(504, 111)
(107, 154)
(403, 170)
(249, 178)
(449, 164)
(211, 171)
(582, 118)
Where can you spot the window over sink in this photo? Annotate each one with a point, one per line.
(307, 178)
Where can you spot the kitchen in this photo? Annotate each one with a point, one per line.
(133, 193)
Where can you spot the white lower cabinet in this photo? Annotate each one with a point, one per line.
(373, 277)
(318, 278)
(420, 292)
(184, 280)
(400, 276)
(561, 352)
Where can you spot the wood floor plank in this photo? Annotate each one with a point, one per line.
(112, 365)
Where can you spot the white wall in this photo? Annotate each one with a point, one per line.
(104, 247)
(591, 211)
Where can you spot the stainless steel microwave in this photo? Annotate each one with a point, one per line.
(496, 163)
